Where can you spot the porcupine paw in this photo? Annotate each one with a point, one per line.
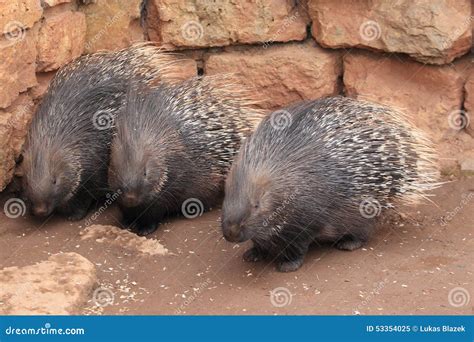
(144, 230)
(290, 265)
(253, 254)
(349, 244)
(77, 214)
(128, 223)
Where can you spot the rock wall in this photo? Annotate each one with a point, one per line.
(415, 55)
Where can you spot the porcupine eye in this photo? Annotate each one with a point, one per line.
(54, 180)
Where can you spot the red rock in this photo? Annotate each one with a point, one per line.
(112, 24)
(43, 79)
(201, 24)
(188, 69)
(60, 40)
(51, 3)
(7, 158)
(60, 285)
(282, 74)
(14, 122)
(19, 14)
(469, 102)
(429, 31)
(430, 95)
(22, 111)
(17, 67)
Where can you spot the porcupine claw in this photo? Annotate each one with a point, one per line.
(253, 254)
(290, 266)
(349, 244)
(146, 230)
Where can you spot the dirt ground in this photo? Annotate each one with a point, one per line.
(409, 267)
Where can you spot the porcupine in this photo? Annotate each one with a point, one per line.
(321, 171)
(175, 145)
(68, 144)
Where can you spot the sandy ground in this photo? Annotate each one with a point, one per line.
(409, 267)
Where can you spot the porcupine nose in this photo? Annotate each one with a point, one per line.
(232, 232)
(130, 199)
(40, 210)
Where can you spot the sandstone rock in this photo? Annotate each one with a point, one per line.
(469, 102)
(469, 86)
(427, 93)
(60, 40)
(112, 24)
(21, 111)
(430, 95)
(200, 23)
(43, 80)
(51, 3)
(17, 67)
(7, 156)
(467, 163)
(57, 286)
(14, 122)
(429, 31)
(121, 238)
(188, 69)
(282, 74)
(452, 151)
(18, 15)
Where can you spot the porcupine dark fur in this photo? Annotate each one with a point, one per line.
(68, 144)
(176, 143)
(312, 179)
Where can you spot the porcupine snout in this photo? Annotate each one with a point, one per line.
(130, 199)
(232, 231)
(42, 209)
(132, 193)
(235, 229)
